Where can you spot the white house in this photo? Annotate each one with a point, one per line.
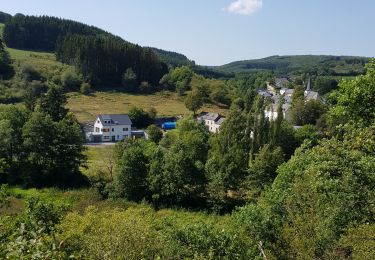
(212, 121)
(112, 128)
(272, 114)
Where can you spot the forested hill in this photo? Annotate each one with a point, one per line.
(43, 32)
(4, 17)
(102, 58)
(322, 65)
(173, 59)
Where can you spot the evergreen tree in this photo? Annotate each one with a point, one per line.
(6, 69)
(53, 103)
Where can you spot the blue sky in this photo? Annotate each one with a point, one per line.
(215, 32)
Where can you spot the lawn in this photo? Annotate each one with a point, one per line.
(166, 103)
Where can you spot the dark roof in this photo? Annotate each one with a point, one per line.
(220, 121)
(210, 116)
(115, 120)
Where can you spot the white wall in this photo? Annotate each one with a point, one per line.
(112, 133)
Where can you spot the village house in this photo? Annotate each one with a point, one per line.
(212, 121)
(272, 112)
(111, 128)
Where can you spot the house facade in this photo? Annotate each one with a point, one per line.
(111, 128)
(212, 121)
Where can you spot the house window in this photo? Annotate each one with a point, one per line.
(125, 129)
(98, 121)
(105, 130)
(106, 137)
(97, 130)
(113, 129)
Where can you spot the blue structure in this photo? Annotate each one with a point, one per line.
(169, 125)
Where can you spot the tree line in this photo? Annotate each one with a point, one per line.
(41, 143)
(106, 59)
(100, 57)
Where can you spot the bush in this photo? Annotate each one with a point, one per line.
(29, 73)
(154, 134)
(139, 117)
(71, 81)
(112, 234)
(85, 88)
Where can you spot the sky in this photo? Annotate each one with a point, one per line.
(216, 32)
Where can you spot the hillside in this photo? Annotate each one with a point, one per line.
(283, 65)
(173, 59)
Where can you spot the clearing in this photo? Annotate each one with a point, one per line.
(86, 107)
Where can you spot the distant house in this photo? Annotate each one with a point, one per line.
(311, 95)
(111, 128)
(281, 82)
(287, 92)
(272, 112)
(264, 93)
(212, 121)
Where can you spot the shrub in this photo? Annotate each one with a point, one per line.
(85, 88)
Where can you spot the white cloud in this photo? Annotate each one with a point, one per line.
(245, 7)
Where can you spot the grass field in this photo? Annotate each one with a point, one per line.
(44, 62)
(166, 103)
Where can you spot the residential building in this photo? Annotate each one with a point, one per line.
(272, 112)
(111, 128)
(212, 121)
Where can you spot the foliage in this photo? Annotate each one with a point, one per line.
(307, 113)
(139, 117)
(173, 59)
(6, 70)
(325, 85)
(33, 93)
(262, 170)
(42, 33)
(129, 80)
(104, 60)
(112, 234)
(4, 196)
(4, 17)
(32, 244)
(53, 103)
(176, 176)
(355, 99)
(85, 88)
(317, 195)
(178, 79)
(29, 73)
(132, 172)
(154, 133)
(358, 243)
(71, 81)
(194, 101)
(313, 64)
(205, 241)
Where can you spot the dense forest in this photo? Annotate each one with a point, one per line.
(4, 17)
(105, 60)
(42, 33)
(289, 65)
(101, 57)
